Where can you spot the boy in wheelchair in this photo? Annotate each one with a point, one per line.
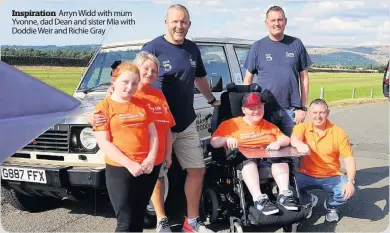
(251, 130)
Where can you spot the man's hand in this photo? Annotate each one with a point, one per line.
(97, 119)
(299, 116)
(273, 146)
(348, 190)
(216, 103)
(303, 148)
(231, 143)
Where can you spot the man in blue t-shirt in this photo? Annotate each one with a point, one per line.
(279, 62)
(181, 68)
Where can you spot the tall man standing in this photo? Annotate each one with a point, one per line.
(181, 68)
(280, 62)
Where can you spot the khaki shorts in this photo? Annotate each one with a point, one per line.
(187, 147)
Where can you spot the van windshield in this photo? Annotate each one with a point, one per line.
(100, 69)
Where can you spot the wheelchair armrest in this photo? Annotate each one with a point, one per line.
(231, 154)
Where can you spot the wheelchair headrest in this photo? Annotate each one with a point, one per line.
(254, 87)
(231, 100)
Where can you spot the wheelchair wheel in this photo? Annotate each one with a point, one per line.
(210, 205)
(237, 228)
(291, 228)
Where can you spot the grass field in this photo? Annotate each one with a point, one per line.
(338, 86)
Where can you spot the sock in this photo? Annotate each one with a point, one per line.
(285, 192)
(193, 221)
(262, 196)
(161, 218)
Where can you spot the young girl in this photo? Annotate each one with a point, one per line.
(130, 143)
(149, 65)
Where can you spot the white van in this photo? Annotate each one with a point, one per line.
(66, 162)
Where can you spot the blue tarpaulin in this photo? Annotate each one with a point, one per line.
(28, 107)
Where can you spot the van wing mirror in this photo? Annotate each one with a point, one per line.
(216, 84)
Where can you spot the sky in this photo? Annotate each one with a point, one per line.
(319, 23)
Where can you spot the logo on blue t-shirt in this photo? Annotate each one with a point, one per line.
(290, 54)
(268, 57)
(193, 63)
(167, 66)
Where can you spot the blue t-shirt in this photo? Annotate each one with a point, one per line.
(179, 65)
(276, 66)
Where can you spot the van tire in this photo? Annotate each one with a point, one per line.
(26, 203)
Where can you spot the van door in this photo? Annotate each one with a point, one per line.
(216, 63)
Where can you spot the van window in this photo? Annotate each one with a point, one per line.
(100, 70)
(215, 62)
(241, 53)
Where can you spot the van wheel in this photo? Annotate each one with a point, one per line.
(27, 203)
(150, 219)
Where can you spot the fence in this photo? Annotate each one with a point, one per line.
(322, 93)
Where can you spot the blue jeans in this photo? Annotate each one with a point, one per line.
(283, 119)
(332, 185)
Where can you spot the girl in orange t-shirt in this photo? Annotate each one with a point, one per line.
(149, 65)
(130, 143)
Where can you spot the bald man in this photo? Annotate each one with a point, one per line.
(182, 70)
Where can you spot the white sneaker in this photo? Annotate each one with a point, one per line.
(163, 225)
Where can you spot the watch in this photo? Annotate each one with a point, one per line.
(212, 101)
(300, 108)
(352, 181)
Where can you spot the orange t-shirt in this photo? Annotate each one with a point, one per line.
(247, 135)
(156, 102)
(325, 151)
(127, 125)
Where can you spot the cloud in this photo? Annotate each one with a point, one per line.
(336, 25)
(319, 22)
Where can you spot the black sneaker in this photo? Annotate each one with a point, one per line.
(332, 214)
(286, 199)
(265, 206)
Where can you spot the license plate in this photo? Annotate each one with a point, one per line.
(23, 174)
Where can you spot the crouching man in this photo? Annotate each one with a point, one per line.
(321, 169)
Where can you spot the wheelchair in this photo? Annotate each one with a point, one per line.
(225, 196)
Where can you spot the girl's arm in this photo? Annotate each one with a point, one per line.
(103, 140)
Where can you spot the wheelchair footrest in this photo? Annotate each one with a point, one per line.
(283, 218)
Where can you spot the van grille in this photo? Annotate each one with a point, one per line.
(56, 139)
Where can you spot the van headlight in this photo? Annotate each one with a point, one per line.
(87, 139)
(82, 140)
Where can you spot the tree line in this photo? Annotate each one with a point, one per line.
(379, 68)
(81, 56)
(55, 53)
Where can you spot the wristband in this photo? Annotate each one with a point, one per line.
(300, 108)
(212, 101)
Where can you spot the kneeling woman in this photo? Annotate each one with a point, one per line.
(130, 143)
